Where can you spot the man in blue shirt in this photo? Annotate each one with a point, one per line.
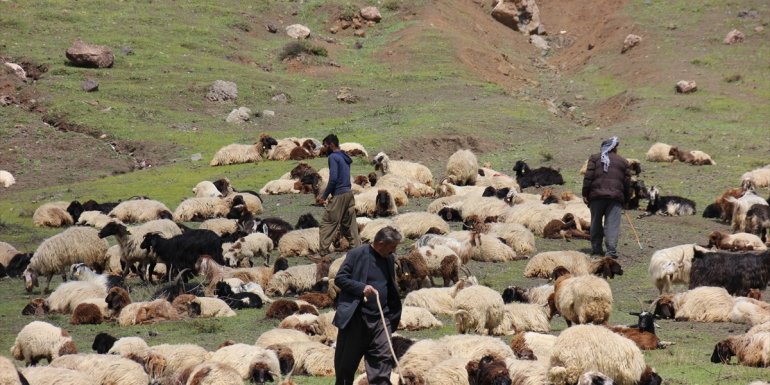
(340, 212)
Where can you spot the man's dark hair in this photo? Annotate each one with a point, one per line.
(331, 139)
(387, 234)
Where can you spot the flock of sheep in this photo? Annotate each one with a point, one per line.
(230, 251)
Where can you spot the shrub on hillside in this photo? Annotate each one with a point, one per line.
(297, 48)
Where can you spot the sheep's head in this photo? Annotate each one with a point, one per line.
(361, 180)
(150, 241)
(285, 357)
(75, 209)
(715, 238)
(380, 162)
(664, 307)
(515, 294)
(654, 193)
(267, 141)
(609, 268)
(450, 214)
(520, 168)
(117, 298)
(489, 370)
(113, 228)
(79, 270)
(674, 151)
(595, 378)
(259, 373)
(103, 342)
(559, 271)
(646, 321)
(723, 351)
(372, 178)
(30, 279)
(489, 192)
(36, 307)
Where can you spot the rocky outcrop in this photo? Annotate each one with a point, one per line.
(686, 86)
(222, 91)
(371, 14)
(735, 36)
(520, 15)
(630, 42)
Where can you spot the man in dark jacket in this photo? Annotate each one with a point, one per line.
(367, 270)
(340, 214)
(606, 188)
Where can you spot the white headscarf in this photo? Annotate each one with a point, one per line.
(607, 146)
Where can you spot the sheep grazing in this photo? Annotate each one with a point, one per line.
(752, 349)
(671, 266)
(105, 369)
(57, 253)
(412, 170)
(589, 347)
(182, 251)
(757, 178)
(542, 265)
(237, 153)
(735, 242)
(758, 221)
(668, 204)
(738, 272)
(53, 214)
(140, 210)
(583, 299)
(6, 179)
(38, 340)
(541, 176)
(462, 168)
(130, 239)
(696, 158)
(702, 304)
(660, 152)
(741, 207)
(478, 309)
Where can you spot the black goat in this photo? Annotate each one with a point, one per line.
(737, 272)
(177, 288)
(275, 228)
(542, 176)
(712, 211)
(181, 251)
(638, 191)
(489, 192)
(17, 265)
(758, 220)
(244, 300)
(76, 208)
(306, 221)
(515, 294)
(668, 204)
(103, 343)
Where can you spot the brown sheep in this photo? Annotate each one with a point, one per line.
(300, 153)
(86, 314)
(489, 370)
(361, 180)
(725, 206)
(372, 178)
(565, 228)
(117, 298)
(281, 309)
(301, 170)
(319, 300)
(36, 307)
(686, 156)
(411, 271)
(182, 302)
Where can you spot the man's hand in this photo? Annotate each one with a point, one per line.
(585, 200)
(369, 290)
(320, 201)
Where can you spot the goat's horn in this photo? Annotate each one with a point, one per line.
(179, 276)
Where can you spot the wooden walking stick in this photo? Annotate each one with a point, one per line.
(387, 334)
(634, 230)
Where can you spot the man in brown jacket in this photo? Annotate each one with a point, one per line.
(606, 188)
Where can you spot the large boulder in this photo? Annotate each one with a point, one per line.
(90, 55)
(222, 91)
(371, 14)
(521, 15)
(630, 42)
(298, 31)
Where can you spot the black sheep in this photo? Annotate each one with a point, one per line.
(668, 204)
(515, 294)
(280, 264)
(103, 343)
(450, 214)
(306, 221)
(542, 176)
(489, 192)
(18, 264)
(181, 251)
(737, 272)
(244, 300)
(76, 208)
(313, 181)
(712, 211)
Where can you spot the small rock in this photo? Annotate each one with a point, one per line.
(672, 26)
(239, 115)
(334, 29)
(280, 98)
(748, 14)
(539, 42)
(371, 14)
(268, 113)
(734, 36)
(271, 28)
(196, 157)
(686, 86)
(759, 28)
(126, 50)
(579, 97)
(630, 42)
(298, 31)
(89, 85)
(221, 91)
(358, 45)
(5, 100)
(90, 55)
(359, 33)
(345, 94)
(17, 70)
(344, 24)
(590, 46)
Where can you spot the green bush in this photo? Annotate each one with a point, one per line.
(297, 48)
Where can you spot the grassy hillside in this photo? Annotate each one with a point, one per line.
(431, 77)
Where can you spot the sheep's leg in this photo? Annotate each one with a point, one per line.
(569, 323)
(47, 290)
(150, 271)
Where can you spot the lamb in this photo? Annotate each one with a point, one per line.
(564, 228)
(52, 214)
(105, 369)
(542, 265)
(129, 313)
(741, 207)
(57, 253)
(535, 295)
(140, 210)
(758, 221)
(492, 249)
(280, 186)
(206, 189)
(412, 170)
(660, 152)
(738, 272)
(209, 373)
(210, 307)
(38, 340)
(462, 168)
(668, 204)
(542, 176)
(7, 179)
(702, 304)
(375, 202)
(589, 347)
(671, 266)
(416, 224)
(182, 251)
(417, 318)
(254, 245)
(237, 153)
(520, 317)
(697, 158)
(46, 375)
(130, 239)
(245, 200)
(757, 178)
(752, 349)
(478, 309)
(583, 299)
(735, 242)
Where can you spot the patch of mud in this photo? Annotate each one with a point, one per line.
(615, 109)
(431, 149)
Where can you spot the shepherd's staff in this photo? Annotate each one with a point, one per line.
(634, 230)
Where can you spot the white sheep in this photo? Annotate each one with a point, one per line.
(56, 254)
(297, 278)
(590, 347)
(354, 149)
(373, 227)
(416, 224)
(306, 323)
(473, 347)
(38, 340)
(95, 219)
(525, 372)
(417, 318)
(448, 372)
(201, 208)
(659, 152)
(700, 157)
(140, 210)
(206, 189)
(542, 264)
(220, 225)
(280, 186)
(255, 245)
(6, 179)
(757, 178)
(299, 243)
(168, 361)
(237, 153)
(520, 317)
(133, 348)
(478, 309)
(438, 300)
(280, 336)
(462, 168)
(447, 189)
(583, 299)
(412, 170)
(68, 295)
(242, 358)
(210, 373)
(46, 375)
(496, 179)
(750, 311)
(424, 355)
(52, 214)
(253, 202)
(366, 202)
(105, 369)
(516, 236)
(313, 358)
(212, 307)
(409, 186)
(130, 239)
(9, 374)
(492, 249)
(702, 304)
(671, 266)
(741, 206)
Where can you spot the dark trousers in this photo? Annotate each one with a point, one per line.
(364, 337)
(605, 223)
(340, 215)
